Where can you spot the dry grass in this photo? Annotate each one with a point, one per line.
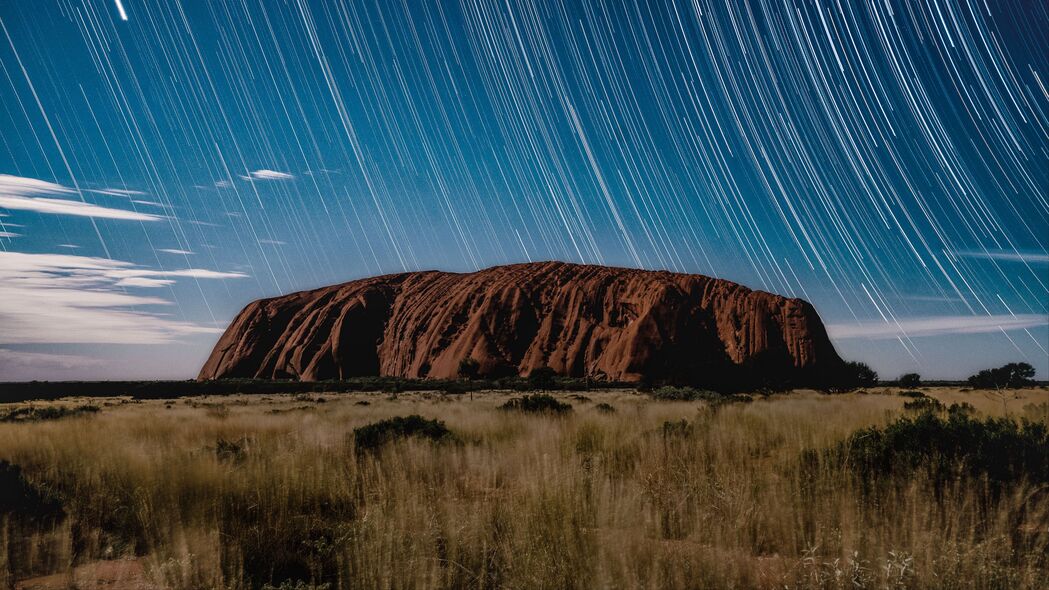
(238, 492)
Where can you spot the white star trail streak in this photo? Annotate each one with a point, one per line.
(887, 161)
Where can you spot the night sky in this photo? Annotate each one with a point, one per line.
(163, 164)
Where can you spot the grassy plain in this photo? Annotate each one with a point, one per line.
(249, 491)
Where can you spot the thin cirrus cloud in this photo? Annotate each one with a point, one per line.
(265, 174)
(917, 327)
(116, 192)
(19, 358)
(1007, 256)
(24, 194)
(67, 299)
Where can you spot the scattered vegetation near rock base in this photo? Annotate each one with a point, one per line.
(691, 394)
(537, 404)
(762, 495)
(375, 435)
(44, 412)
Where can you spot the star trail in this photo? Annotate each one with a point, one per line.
(162, 164)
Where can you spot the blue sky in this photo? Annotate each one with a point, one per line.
(161, 165)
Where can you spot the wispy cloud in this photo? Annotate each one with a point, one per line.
(61, 298)
(265, 174)
(9, 234)
(151, 204)
(144, 282)
(43, 360)
(117, 192)
(916, 327)
(175, 251)
(1006, 256)
(20, 193)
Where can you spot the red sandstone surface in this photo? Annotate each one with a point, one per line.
(581, 320)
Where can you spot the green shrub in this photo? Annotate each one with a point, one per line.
(691, 394)
(35, 413)
(1010, 376)
(999, 448)
(910, 380)
(860, 374)
(684, 394)
(375, 435)
(231, 451)
(912, 394)
(923, 404)
(962, 409)
(542, 378)
(23, 499)
(605, 408)
(677, 429)
(469, 369)
(538, 403)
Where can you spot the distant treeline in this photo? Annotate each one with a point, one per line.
(46, 390)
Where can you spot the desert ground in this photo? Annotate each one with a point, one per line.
(622, 491)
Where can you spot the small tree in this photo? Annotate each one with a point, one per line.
(1010, 376)
(910, 380)
(469, 368)
(860, 374)
(542, 378)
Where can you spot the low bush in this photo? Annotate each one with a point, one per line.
(684, 394)
(542, 378)
(538, 403)
(231, 451)
(34, 413)
(677, 429)
(469, 368)
(923, 404)
(1000, 449)
(910, 380)
(605, 408)
(23, 499)
(857, 374)
(379, 433)
(691, 394)
(1009, 376)
(912, 394)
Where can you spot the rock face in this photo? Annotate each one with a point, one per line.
(606, 323)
